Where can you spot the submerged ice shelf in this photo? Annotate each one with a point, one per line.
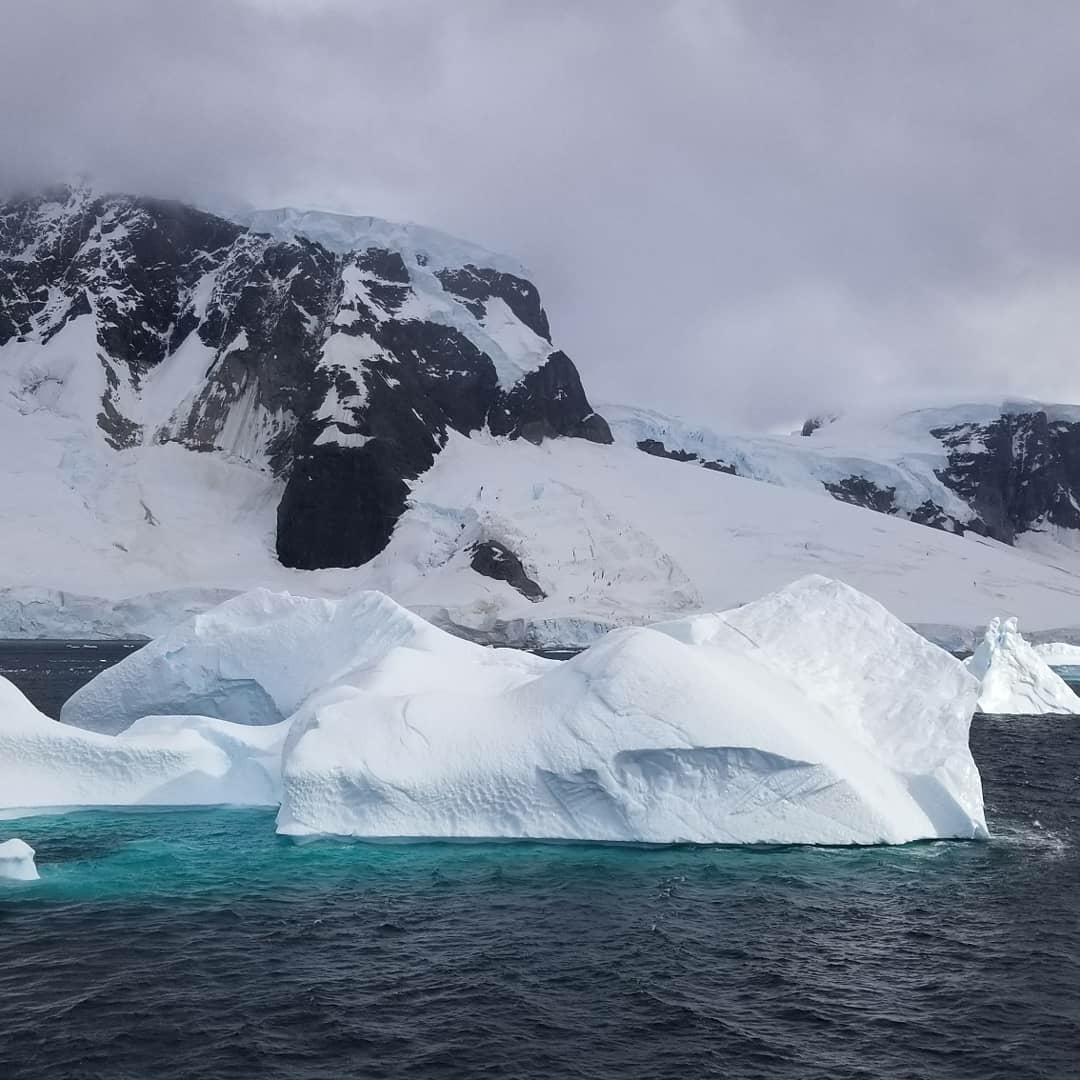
(810, 716)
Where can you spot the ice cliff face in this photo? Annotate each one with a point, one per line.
(335, 352)
(994, 470)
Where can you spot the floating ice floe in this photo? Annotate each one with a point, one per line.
(17, 861)
(1014, 677)
(811, 716)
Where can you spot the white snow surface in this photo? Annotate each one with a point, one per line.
(129, 542)
(17, 861)
(344, 233)
(1014, 678)
(811, 716)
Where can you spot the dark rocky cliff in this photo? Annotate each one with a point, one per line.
(340, 371)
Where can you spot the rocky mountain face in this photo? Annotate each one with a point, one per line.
(1017, 473)
(341, 367)
(996, 471)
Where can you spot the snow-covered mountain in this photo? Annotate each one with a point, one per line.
(191, 406)
(339, 366)
(1010, 471)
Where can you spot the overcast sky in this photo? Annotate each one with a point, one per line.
(742, 212)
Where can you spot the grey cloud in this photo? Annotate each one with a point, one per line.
(740, 211)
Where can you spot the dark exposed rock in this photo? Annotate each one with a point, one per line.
(1016, 473)
(859, 491)
(720, 466)
(340, 505)
(495, 560)
(657, 449)
(815, 423)
(315, 367)
(475, 286)
(929, 513)
(547, 403)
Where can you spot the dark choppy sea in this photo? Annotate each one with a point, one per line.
(197, 944)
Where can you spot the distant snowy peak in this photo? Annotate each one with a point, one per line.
(336, 352)
(996, 470)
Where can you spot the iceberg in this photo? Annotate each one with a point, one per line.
(1014, 678)
(158, 761)
(810, 716)
(17, 861)
(1058, 654)
(257, 657)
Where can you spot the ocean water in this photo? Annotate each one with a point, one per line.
(49, 672)
(197, 944)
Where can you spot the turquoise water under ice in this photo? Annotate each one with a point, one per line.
(198, 944)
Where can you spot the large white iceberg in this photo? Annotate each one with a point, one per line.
(157, 761)
(1014, 678)
(17, 861)
(811, 716)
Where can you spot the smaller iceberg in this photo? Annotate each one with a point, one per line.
(158, 761)
(17, 861)
(1058, 654)
(1014, 678)
(256, 658)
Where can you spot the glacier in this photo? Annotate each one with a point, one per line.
(810, 716)
(17, 861)
(1013, 676)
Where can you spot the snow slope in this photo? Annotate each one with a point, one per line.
(895, 453)
(810, 716)
(1014, 678)
(123, 542)
(149, 426)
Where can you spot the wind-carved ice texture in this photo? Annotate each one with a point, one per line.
(810, 716)
(1014, 677)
